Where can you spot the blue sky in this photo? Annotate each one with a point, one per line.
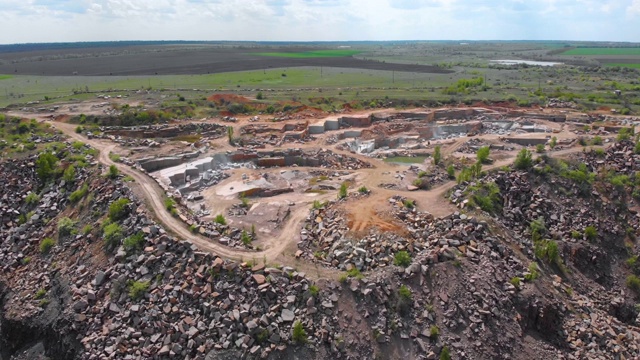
(307, 20)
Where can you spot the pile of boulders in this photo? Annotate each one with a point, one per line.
(557, 103)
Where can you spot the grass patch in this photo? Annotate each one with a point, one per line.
(602, 51)
(137, 289)
(46, 244)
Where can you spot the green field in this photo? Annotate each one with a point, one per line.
(406, 160)
(602, 51)
(633, 66)
(312, 54)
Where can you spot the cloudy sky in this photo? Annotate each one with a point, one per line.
(330, 20)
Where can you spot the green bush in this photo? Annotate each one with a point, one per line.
(444, 354)
(515, 281)
(451, 171)
(113, 172)
(633, 283)
(112, 234)
(486, 196)
(402, 258)
(483, 154)
(137, 289)
(65, 226)
(79, 194)
(591, 233)
(409, 204)
(314, 290)
(134, 242)
(540, 148)
(534, 272)
(245, 238)
(114, 157)
(434, 332)
(547, 250)
(597, 140)
(624, 134)
(299, 335)
(40, 294)
(342, 193)
(437, 156)
(219, 219)
(404, 293)
(46, 166)
(538, 228)
(363, 190)
(553, 142)
(118, 209)
(32, 198)
(523, 160)
(46, 244)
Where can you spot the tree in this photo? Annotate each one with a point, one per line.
(69, 174)
(437, 156)
(230, 134)
(402, 258)
(343, 191)
(483, 154)
(299, 335)
(523, 160)
(118, 209)
(553, 143)
(46, 165)
(113, 172)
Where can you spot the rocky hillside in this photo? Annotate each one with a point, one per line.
(539, 262)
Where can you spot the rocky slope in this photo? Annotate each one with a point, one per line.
(537, 264)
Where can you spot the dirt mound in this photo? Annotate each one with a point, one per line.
(222, 99)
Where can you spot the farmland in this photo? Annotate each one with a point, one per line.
(312, 54)
(603, 51)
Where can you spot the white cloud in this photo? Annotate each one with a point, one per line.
(634, 8)
(86, 20)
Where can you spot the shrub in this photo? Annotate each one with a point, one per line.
(553, 142)
(342, 193)
(245, 238)
(624, 134)
(434, 332)
(169, 203)
(437, 157)
(87, 229)
(219, 219)
(134, 242)
(633, 283)
(409, 204)
(591, 233)
(575, 234)
(538, 228)
(451, 171)
(193, 228)
(113, 172)
(118, 209)
(444, 354)
(404, 293)
(137, 289)
(46, 244)
(534, 272)
(515, 281)
(112, 234)
(540, 148)
(547, 250)
(299, 335)
(402, 258)
(114, 157)
(486, 196)
(363, 190)
(79, 194)
(79, 129)
(40, 294)
(314, 290)
(523, 160)
(483, 154)
(46, 166)
(597, 140)
(65, 226)
(32, 198)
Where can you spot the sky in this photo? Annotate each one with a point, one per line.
(29, 21)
